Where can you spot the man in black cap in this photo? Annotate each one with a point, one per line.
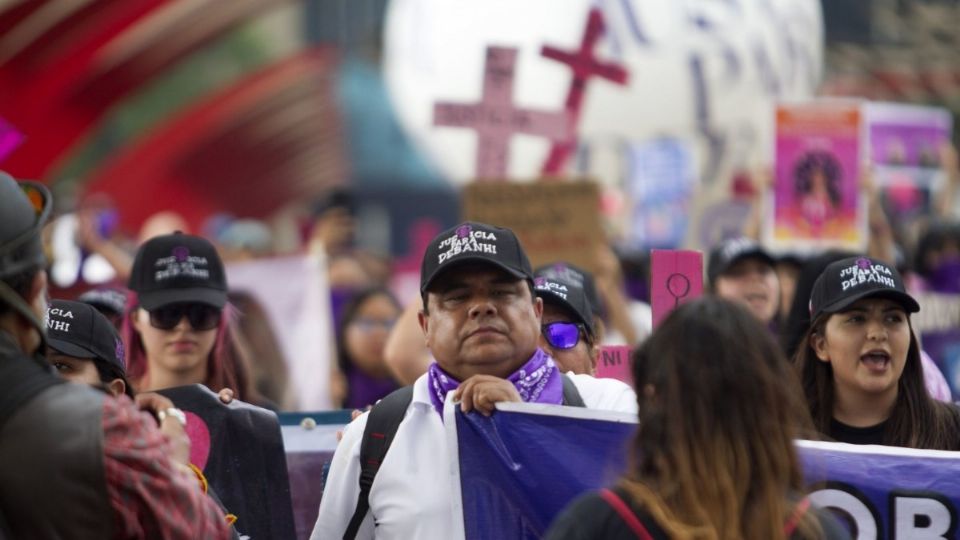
(567, 331)
(85, 347)
(74, 462)
(481, 321)
(740, 270)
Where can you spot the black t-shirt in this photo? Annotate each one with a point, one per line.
(590, 517)
(841, 432)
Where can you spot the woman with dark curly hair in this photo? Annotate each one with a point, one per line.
(817, 186)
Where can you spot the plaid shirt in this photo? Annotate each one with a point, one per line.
(150, 496)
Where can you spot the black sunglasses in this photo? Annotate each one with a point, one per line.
(563, 335)
(200, 316)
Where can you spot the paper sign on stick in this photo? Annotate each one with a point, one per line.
(614, 363)
(10, 139)
(816, 196)
(676, 277)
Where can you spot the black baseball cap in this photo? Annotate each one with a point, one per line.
(24, 208)
(472, 242)
(578, 276)
(845, 281)
(113, 301)
(731, 251)
(567, 295)
(178, 268)
(78, 329)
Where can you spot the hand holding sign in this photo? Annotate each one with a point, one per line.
(675, 277)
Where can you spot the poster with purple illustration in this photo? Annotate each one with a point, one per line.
(905, 141)
(661, 177)
(816, 198)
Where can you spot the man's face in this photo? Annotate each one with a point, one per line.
(753, 283)
(481, 320)
(577, 359)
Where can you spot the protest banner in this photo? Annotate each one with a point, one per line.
(614, 363)
(676, 277)
(240, 450)
(520, 466)
(904, 143)
(817, 200)
(661, 181)
(555, 221)
(297, 300)
(309, 440)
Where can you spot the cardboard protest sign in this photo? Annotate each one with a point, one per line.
(676, 277)
(507, 467)
(240, 450)
(555, 221)
(10, 139)
(816, 199)
(614, 363)
(309, 439)
(661, 180)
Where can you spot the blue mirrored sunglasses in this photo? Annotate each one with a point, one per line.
(563, 335)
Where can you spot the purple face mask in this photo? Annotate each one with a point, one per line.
(945, 278)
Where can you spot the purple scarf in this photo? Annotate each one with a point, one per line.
(537, 381)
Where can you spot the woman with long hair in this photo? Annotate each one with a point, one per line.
(361, 337)
(713, 456)
(860, 364)
(177, 329)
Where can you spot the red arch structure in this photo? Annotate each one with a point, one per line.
(247, 148)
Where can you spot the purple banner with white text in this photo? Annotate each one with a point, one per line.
(519, 467)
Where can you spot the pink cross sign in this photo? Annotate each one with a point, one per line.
(10, 139)
(495, 119)
(614, 363)
(584, 65)
(676, 277)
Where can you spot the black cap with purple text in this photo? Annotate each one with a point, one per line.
(731, 251)
(79, 330)
(845, 281)
(576, 275)
(568, 296)
(178, 268)
(473, 242)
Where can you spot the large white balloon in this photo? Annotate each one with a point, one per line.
(703, 71)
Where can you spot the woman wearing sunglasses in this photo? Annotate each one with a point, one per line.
(567, 329)
(176, 332)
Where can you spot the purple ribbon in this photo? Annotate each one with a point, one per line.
(537, 381)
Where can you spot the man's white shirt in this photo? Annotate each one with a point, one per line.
(410, 496)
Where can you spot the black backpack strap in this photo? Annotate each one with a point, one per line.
(21, 379)
(571, 396)
(382, 424)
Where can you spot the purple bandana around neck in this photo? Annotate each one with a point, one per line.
(537, 381)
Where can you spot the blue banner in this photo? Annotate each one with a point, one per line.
(519, 467)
